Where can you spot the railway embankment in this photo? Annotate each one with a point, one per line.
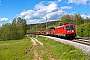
(83, 47)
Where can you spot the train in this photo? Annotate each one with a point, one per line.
(67, 31)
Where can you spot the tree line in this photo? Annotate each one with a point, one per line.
(82, 24)
(15, 30)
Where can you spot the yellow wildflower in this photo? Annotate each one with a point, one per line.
(72, 51)
(65, 53)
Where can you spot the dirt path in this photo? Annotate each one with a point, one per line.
(37, 55)
(35, 41)
(36, 51)
(39, 52)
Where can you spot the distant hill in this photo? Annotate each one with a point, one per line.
(42, 26)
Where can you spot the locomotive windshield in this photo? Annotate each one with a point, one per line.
(69, 27)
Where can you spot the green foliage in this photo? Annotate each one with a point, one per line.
(16, 30)
(66, 19)
(22, 23)
(79, 19)
(84, 30)
(76, 18)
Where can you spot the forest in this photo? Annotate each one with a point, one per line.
(18, 28)
(13, 31)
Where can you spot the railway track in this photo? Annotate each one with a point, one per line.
(82, 41)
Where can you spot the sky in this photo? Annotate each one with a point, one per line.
(36, 11)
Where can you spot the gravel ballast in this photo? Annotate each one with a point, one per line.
(84, 48)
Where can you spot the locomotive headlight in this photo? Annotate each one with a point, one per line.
(72, 30)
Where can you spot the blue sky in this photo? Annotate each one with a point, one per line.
(36, 11)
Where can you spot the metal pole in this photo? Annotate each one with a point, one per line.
(46, 25)
(36, 30)
(30, 31)
(46, 29)
(76, 24)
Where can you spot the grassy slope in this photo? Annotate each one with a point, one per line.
(63, 51)
(14, 49)
(18, 49)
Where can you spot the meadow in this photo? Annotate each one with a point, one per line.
(23, 49)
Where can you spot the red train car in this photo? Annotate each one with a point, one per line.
(43, 32)
(66, 31)
(51, 31)
(38, 32)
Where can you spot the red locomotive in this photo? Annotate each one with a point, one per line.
(66, 31)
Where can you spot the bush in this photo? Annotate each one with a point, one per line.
(84, 30)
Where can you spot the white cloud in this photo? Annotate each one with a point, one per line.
(39, 6)
(66, 7)
(3, 19)
(52, 15)
(41, 11)
(85, 16)
(59, 0)
(27, 17)
(25, 13)
(52, 6)
(78, 1)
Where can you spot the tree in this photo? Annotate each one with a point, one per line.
(5, 29)
(79, 19)
(87, 20)
(22, 22)
(66, 19)
(84, 30)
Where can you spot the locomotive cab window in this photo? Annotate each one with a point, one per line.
(69, 27)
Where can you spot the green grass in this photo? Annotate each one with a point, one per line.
(62, 51)
(14, 49)
(17, 50)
